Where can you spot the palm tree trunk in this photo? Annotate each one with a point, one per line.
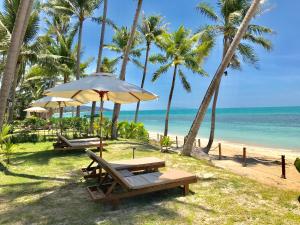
(99, 61)
(101, 45)
(213, 120)
(143, 81)
(117, 107)
(13, 95)
(214, 105)
(17, 38)
(188, 146)
(78, 59)
(169, 102)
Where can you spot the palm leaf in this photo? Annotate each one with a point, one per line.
(160, 71)
(207, 10)
(185, 83)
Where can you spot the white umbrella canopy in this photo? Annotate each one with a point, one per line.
(90, 87)
(55, 102)
(103, 87)
(36, 109)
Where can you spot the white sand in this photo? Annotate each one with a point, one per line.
(264, 170)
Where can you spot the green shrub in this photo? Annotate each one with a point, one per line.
(5, 135)
(165, 143)
(26, 136)
(5, 141)
(106, 127)
(131, 130)
(35, 123)
(7, 150)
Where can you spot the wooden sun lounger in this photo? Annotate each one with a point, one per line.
(146, 164)
(65, 144)
(114, 186)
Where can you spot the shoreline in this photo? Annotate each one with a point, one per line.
(268, 151)
(263, 163)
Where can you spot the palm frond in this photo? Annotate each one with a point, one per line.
(248, 54)
(158, 58)
(186, 85)
(205, 9)
(163, 69)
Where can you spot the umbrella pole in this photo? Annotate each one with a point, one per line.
(60, 117)
(101, 121)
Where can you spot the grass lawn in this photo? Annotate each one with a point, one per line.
(45, 187)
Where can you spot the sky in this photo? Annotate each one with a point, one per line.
(275, 83)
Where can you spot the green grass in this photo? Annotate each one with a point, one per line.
(45, 187)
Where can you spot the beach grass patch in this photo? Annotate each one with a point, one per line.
(42, 186)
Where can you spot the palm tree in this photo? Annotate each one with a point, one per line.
(117, 107)
(119, 46)
(29, 47)
(227, 23)
(58, 53)
(151, 28)
(17, 37)
(181, 50)
(99, 60)
(188, 146)
(81, 10)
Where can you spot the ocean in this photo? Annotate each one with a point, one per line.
(277, 127)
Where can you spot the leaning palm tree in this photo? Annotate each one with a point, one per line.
(227, 23)
(17, 37)
(188, 146)
(182, 50)
(81, 10)
(29, 48)
(117, 107)
(151, 28)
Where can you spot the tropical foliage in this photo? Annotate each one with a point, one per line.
(119, 43)
(226, 24)
(151, 28)
(53, 54)
(181, 50)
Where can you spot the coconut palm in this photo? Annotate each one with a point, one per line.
(188, 146)
(227, 23)
(119, 45)
(151, 27)
(181, 50)
(117, 107)
(81, 10)
(29, 49)
(104, 21)
(17, 38)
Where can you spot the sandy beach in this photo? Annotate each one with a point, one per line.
(263, 164)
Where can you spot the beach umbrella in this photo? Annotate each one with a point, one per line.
(36, 110)
(103, 87)
(56, 102)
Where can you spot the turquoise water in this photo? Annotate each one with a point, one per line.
(272, 127)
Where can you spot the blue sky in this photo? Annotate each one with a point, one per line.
(276, 83)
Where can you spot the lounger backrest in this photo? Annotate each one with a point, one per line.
(64, 140)
(109, 169)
